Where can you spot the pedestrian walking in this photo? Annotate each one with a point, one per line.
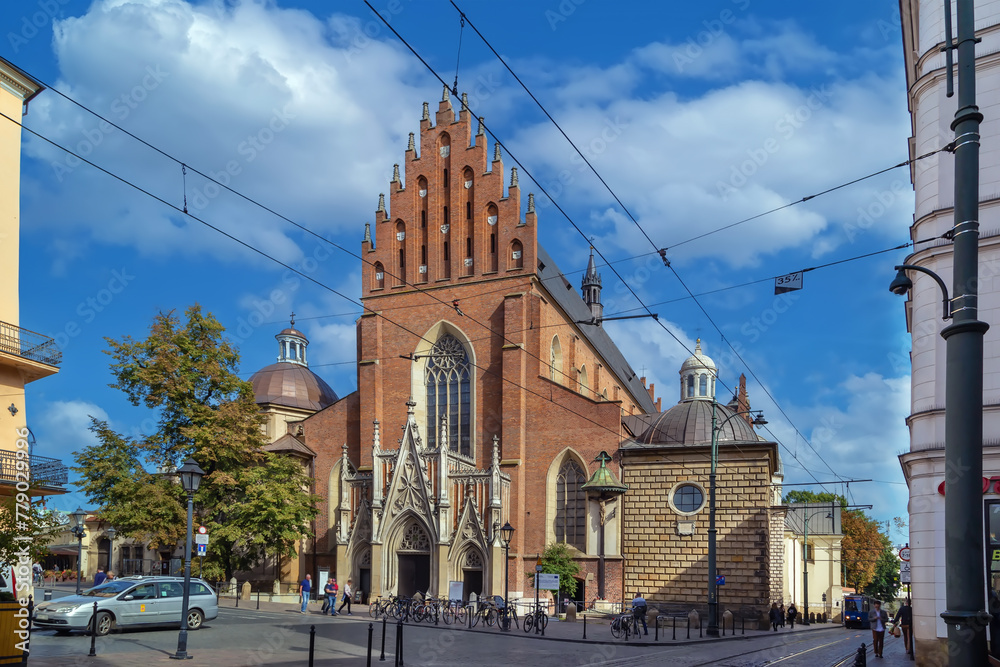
(305, 588)
(792, 613)
(773, 616)
(348, 592)
(110, 576)
(781, 613)
(36, 570)
(878, 617)
(100, 577)
(331, 597)
(904, 619)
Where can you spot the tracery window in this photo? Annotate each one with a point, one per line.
(449, 392)
(571, 506)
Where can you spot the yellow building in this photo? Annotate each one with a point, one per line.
(25, 356)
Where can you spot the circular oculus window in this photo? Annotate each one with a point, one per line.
(687, 498)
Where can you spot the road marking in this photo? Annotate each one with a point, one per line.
(809, 650)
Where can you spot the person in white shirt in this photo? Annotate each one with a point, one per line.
(877, 617)
(348, 594)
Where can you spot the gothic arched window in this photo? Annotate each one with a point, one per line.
(571, 506)
(449, 392)
(555, 361)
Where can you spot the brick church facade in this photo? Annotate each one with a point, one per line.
(487, 391)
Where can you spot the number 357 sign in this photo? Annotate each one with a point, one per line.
(788, 283)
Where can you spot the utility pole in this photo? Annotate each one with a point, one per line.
(965, 583)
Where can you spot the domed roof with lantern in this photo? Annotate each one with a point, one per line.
(690, 421)
(289, 382)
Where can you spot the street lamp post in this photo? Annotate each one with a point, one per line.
(190, 475)
(713, 591)
(111, 532)
(506, 534)
(78, 529)
(965, 582)
(805, 562)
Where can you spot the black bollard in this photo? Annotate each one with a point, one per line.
(236, 594)
(656, 637)
(469, 615)
(743, 625)
(371, 631)
(381, 658)
(400, 646)
(723, 624)
(312, 643)
(584, 626)
(674, 632)
(699, 627)
(689, 627)
(258, 599)
(93, 632)
(861, 659)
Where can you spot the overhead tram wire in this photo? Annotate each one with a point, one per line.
(309, 278)
(560, 209)
(662, 252)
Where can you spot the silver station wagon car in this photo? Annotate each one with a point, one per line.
(130, 602)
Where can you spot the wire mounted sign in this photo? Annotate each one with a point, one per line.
(788, 282)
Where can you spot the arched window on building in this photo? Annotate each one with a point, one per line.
(379, 281)
(555, 361)
(584, 381)
(516, 260)
(401, 251)
(703, 385)
(571, 506)
(449, 392)
(690, 382)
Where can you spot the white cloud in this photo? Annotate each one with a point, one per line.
(63, 427)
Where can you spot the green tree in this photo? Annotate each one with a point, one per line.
(556, 559)
(793, 497)
(251, 501)
(885, 584)
(25, 530)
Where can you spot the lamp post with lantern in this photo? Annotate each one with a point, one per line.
(111, 533)
(506, 535)
(190, 475)
(604, 487)
(78, 528)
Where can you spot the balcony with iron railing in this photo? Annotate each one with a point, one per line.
(45, 473)
(27, 344)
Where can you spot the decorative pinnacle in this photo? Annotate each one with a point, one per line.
(531, 202)
(482, 127)
(427, 112)
(513, 177)
(381, 203)
(411, 146)
(496, 152)
(465, 101)
(395, 174)
(376, 437)
(410, 405)
(368, 232)
(445, 94)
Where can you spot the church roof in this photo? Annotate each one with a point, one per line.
(569, 300)
(690, 423)
(292, 385)
(288, 443)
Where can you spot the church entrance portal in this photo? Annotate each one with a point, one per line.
(414, 574)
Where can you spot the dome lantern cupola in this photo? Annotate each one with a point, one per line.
(292, 345)
(698, 373)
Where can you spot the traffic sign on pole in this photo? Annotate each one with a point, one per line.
(904, 553)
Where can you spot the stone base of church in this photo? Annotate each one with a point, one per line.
(605, 606)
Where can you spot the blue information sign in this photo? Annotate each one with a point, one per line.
(720, 580)
(202, 549)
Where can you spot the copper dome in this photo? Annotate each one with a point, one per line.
(690, 423)
(293, 385)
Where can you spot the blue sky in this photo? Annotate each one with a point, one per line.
(697, 115)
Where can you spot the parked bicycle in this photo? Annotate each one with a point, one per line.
(535, 619)
(486, 612)
(625, 625)
(455, 612)
(506, 612)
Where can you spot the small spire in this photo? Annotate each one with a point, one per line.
(395, 174)
(368, 232)
(411, 145)
(496, 152)
(343, 451)
(496, 451)
(427, 112)
(381, 203)
(445, 95)
(410, 405)
(531, 202)
(513, 177)
(465, 101)
(293, 320)
(697, 346)
(376, 437)
(482, 128)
